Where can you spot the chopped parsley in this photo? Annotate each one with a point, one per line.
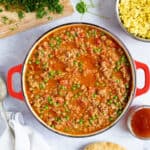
(1, 10)
(20, 14)
(82, 7)
(40, 7)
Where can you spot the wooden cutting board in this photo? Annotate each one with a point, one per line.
(11, 24)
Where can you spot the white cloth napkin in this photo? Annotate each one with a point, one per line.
(14, 135)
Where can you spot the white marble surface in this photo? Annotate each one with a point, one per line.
(14, 49)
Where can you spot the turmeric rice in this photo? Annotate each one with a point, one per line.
(135, 16)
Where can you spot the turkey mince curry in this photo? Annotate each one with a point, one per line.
(77, 79)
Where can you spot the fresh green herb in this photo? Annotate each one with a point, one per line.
(20, 14)
(49, 18)
(81, 7)
(41, 12)
(12, 28)
(7, 7)
(1, 10)
(5, 20)
(40, 7)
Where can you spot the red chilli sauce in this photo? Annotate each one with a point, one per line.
(140, 123)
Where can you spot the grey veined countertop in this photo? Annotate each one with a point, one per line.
(13, 50)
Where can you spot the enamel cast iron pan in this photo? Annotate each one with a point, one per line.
(134, 91)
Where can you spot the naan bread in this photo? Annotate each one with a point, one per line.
(104, 146)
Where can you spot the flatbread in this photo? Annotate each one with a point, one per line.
(104, 146)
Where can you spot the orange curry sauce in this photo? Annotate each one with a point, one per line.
(140, 123)
(78, 79)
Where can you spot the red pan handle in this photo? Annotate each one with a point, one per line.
(19, 95)
(145, 68)
(11, 91)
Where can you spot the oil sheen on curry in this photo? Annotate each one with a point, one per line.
(78, 79)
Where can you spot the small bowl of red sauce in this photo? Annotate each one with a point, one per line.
(139, 122)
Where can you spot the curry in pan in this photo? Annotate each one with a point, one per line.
(78, 79)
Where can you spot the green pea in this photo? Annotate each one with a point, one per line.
(97, 50)
(119, 112)
(37, 62)
(94, 95)
(50, 100)
(42, 86)
(46, 107)
(109, 102)
(58, 119)
(81, 121)
(67, 118)
(115, 97)
(75, 86)
(111, 119)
